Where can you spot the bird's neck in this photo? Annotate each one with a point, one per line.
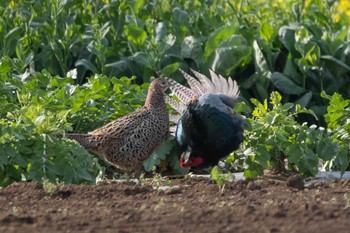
(155, 99)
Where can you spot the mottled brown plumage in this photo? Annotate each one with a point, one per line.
(128, 141)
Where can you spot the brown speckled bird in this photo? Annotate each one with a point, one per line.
(128, 141)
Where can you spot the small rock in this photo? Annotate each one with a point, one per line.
(250, 209)
(244, 193)
(280, 214)
(253, 186)
(296, 181)
(173, 190)
(315, 207)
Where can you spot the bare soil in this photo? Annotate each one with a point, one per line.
(271, 204)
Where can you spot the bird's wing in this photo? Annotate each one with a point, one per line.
(142, 138)
(122, 125)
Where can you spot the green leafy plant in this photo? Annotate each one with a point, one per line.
(166, 152)
(337, 119)
(298, 48)
(300, 53)
(275, 140)
(220, 178)
(48, 106)
(49, 188)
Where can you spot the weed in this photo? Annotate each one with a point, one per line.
(49, 188)
(220, 178)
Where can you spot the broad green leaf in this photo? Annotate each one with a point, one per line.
(294, 153)
(342, 159)
(218, 36)
(307, 111)
(303, 42)
(336, 61)
(281, 135)
(140, 58)
(309, 164)
(167, 43)
(242, 107)
(221, 61)
(252, 173)
(10, 40)
(160, 32)
(324, 95)
(19, 160)
(262, 55)
(271, 119)
(250, 81)
(91, 47)
(287, 106)
(275, 98)
(69, 173)
(284, 84)
(119, 66)
(192, 48)
(5, 64)
(266, 31)
(87, 64)
(137, 5)
(287, 37)
(261, 91)
(291, 70)
(304, 100)
(135, 34)
(326, 149)
(3, 157)
(231, 53)
(169, 69)
(263, 156)
(158, 155)
(180, 16)
(13, 33)
(313, 55)
(10, 150)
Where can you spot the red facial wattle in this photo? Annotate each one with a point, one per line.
(193, 162)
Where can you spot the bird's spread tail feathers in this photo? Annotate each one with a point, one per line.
(178, 106)
(184, 94)
(200, 85)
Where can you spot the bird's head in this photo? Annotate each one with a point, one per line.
(155, 95)
(160, 84)
(188, 159)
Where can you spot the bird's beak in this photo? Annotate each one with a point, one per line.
(186, 156)
(187, 161)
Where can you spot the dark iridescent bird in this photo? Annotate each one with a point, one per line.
(208, 129)
(128, 141)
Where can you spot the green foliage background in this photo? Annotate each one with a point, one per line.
(298, 48)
